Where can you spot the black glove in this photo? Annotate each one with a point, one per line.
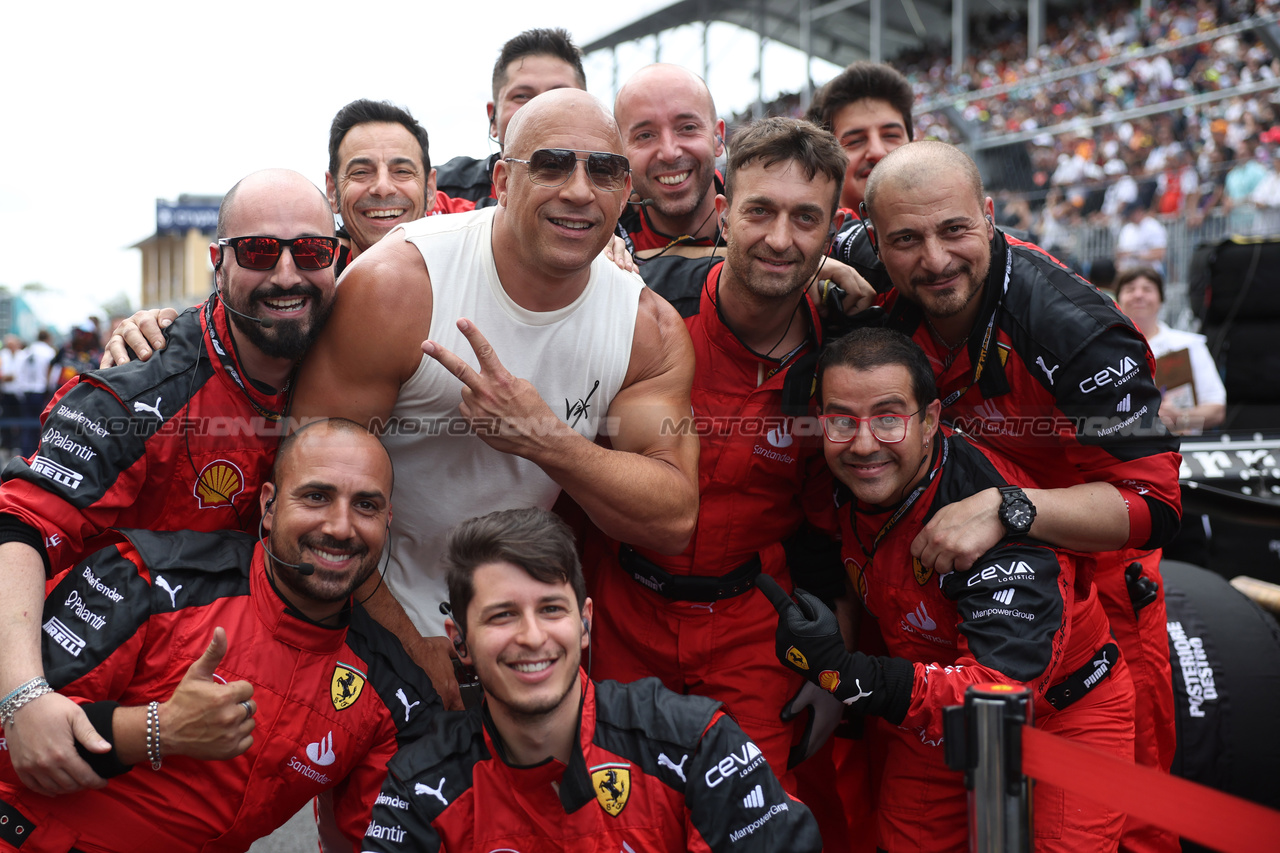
(823, 714)
(808, 642)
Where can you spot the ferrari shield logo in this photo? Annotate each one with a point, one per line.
(612, 784)
(345, 687)
(922, 574)
(796, 658)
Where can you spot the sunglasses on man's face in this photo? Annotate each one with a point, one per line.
(552, 167)
(263, 253)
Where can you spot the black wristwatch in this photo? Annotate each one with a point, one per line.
(1016, 511)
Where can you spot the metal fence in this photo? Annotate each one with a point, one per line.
(1088, 243)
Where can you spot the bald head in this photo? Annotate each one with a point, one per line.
(330, 438)
(560, 111)
(919, 164)
(672, 137)
(670, 83)
(283, 185)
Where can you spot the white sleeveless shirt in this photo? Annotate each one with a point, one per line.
(576, 357)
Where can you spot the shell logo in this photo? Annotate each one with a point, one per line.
(218, 484)
(829, 680)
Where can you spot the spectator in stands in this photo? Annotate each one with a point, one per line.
(80, 354)
(1246, 174)
(533, 62)
(1266, 197)
(867, 107)
(33, 376)
(1178, 183)
(10, 389)
(1187, 408)
(1210, 193)
(1142, 239)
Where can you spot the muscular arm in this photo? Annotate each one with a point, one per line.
(645, 489)
(370, 345)
(642, 489)
(1084, 517)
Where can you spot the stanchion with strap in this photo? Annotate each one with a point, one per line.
(991, 740)
(984, 740)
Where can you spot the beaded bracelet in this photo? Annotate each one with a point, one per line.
(33, 689)
(153, 735)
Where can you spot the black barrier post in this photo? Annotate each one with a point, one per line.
(984, 739)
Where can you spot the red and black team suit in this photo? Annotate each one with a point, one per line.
(182, 441)
(642, 239)
(650, 771)
(694, 620)
(125, 625)
(1055, 378)
(466, 178)
(1023, 614)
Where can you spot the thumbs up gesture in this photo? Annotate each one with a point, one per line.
(206, 717)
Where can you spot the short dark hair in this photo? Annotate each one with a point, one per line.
(365, 111)
(534, 539)
(543, 41)
(1133, 273)
(776, 139)
(863, 80)
(874, 346)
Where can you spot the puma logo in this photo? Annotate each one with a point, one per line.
(404, 700)
(143, 407)
(677, 769)
(862, 694)
(172, 590)
(421, 789)
(1047, 372)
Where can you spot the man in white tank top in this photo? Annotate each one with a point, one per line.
(491, 349)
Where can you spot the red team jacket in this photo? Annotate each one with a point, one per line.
(761, 473)
(180, 442)
(651, 771)
(1020, 615)
(126, 624)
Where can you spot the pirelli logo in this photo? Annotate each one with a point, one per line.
(57, 473)
(64, 636)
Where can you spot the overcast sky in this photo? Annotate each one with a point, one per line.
(108, 107)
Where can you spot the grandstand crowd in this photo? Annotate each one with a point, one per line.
(1213, 160)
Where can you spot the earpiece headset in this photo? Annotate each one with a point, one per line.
(264, 322)
(871, 234)
(305, 569)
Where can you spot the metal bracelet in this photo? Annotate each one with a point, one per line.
(153, 735)
(33, 689)
(39, 679)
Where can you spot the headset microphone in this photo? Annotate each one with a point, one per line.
(305, 569)
(264, 322)
(644, 202)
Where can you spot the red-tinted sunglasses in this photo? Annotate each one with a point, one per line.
(263, 253)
